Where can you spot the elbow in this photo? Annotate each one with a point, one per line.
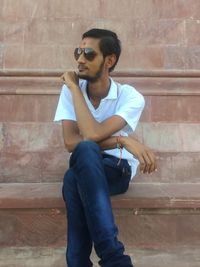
(92, 136)
(69, 146)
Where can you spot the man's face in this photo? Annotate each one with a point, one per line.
(88, 69)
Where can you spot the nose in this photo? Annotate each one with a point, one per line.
(81, 59)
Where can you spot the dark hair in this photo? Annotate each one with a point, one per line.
(109, 43)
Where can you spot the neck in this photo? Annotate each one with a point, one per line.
(98, 89)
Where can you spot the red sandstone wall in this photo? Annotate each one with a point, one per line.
(161, 58)
(156, 34)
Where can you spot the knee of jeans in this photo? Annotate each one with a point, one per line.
(85, 146)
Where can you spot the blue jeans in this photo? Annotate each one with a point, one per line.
(88, 184)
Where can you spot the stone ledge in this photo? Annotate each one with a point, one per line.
(122, 73)
(150, 196)
(148, 86)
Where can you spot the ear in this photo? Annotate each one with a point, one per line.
(110, 60)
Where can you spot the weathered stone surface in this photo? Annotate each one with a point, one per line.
(193, 32)
(49, 166)
(173, 168)
(171, 137)
(142, 57)
(175, 108)
(13, 31)
(32, 137)
(175, 57)
(32, 257)
(174, 256)
(38, 56)
(162, 137)
(23, 9)
(156, 32)
(34, 152)
(139, 228)
(154, 231)
(34, 167)
(35, 98)
(33, 228)
(55, 257)
(1, 136)
(27, 108)
(1, 32)
(1, 55)
(157, 35)
(174, 9)
(139, 195)
(74, 9)
(193, 57)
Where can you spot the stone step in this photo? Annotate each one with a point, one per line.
(148, 215)
(34, 152)
(50, 166)
(38, 136)
(187, 256)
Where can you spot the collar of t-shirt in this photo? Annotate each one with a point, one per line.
(112, 94)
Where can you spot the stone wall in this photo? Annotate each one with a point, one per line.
(156, 34)
(160, 57)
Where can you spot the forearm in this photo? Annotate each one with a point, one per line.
(88, 130)
(109, 143)
(72, 143)
(144, 154)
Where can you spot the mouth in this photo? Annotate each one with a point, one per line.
(81, 68)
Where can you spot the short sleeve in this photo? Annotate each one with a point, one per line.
(130, 106)
(65, 109)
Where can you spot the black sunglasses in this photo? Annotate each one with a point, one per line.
(89, 53)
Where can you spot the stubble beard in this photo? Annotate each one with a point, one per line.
(94, 78)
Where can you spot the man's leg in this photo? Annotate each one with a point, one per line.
(79, 244)
(87, 164)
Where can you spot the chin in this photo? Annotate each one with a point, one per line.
(83, 76)
(86, 77)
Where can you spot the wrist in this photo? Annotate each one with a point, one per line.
(120, 147)
(118, 142)
(74, 86)
(122, 140)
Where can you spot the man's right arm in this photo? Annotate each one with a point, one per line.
(72, 137)
(71, 134)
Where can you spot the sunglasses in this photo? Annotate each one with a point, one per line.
(89, 53)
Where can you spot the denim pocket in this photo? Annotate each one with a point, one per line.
(118, 174)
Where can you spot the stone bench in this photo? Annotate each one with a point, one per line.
(148, 215)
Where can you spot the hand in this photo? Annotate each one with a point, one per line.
(144, 154)
(70, 78)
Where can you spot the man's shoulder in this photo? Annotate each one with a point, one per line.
(127, 90)
(66, 91)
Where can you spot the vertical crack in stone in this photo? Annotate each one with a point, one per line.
(2, 136)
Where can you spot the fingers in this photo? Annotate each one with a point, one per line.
(62, 78)
(142, 163)
(151, 162)
(144, 154)
(70, 78)
(147, 162)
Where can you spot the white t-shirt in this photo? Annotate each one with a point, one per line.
(122, 100)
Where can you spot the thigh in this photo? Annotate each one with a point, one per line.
(118, 174)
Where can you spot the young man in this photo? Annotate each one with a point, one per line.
(97, 116)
